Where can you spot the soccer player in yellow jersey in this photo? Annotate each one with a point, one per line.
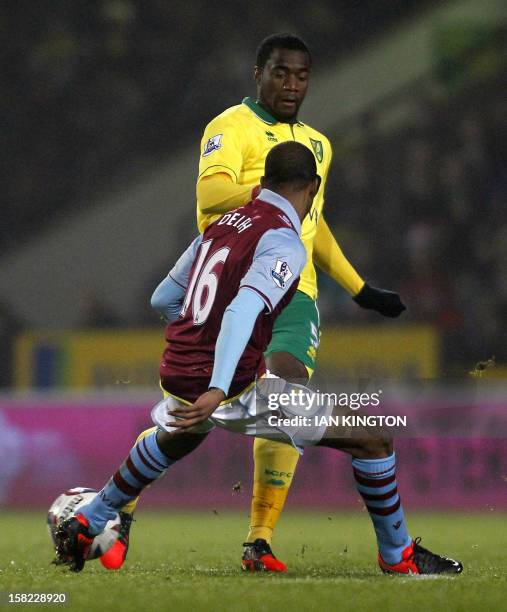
(233, 151)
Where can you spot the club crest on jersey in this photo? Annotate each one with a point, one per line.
(213, 144)
(281, 273)
(318, 149)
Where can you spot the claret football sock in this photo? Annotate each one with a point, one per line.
(376, 482)
(145, 464)
(132, 504)
(274, 467)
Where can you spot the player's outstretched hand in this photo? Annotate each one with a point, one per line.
(387, 303)
(203, 407)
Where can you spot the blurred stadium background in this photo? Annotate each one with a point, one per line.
(103, 104)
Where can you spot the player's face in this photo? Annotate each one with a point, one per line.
(282, 83)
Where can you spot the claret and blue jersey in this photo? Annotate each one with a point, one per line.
(253, 254)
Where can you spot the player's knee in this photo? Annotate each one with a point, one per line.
(286, 366)
(177, 445)
(271, 452)
(378, 447)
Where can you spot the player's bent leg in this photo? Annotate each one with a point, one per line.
(115, 557)
(374, 467)
(274, 463)
(274, 467)
(273, 470)
(373, 462)
(291, 355)
(145, 463)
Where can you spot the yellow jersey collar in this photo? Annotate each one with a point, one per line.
(262, 113)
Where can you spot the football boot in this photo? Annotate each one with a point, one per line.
(72, 542)
(418, 560)
(115, 557)
(258, 557)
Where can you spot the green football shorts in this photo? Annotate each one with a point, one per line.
(297, 330)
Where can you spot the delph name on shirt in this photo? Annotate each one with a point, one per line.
(240, 222)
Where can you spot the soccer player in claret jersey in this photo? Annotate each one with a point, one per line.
(224, 295)
(233, 151)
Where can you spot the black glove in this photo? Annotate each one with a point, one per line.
(388, 303)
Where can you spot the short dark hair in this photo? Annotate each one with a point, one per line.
(291, 164)
(280, 41)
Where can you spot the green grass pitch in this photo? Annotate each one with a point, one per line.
(190, 561)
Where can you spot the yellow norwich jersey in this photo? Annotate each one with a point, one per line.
(237, 143)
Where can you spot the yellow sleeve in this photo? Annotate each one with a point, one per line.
(217, 193)
(330, 258)
(222, 148)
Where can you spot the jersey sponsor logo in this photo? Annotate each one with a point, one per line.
(271, 136)
(214, 143)
(281, 273)
(318, 149)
